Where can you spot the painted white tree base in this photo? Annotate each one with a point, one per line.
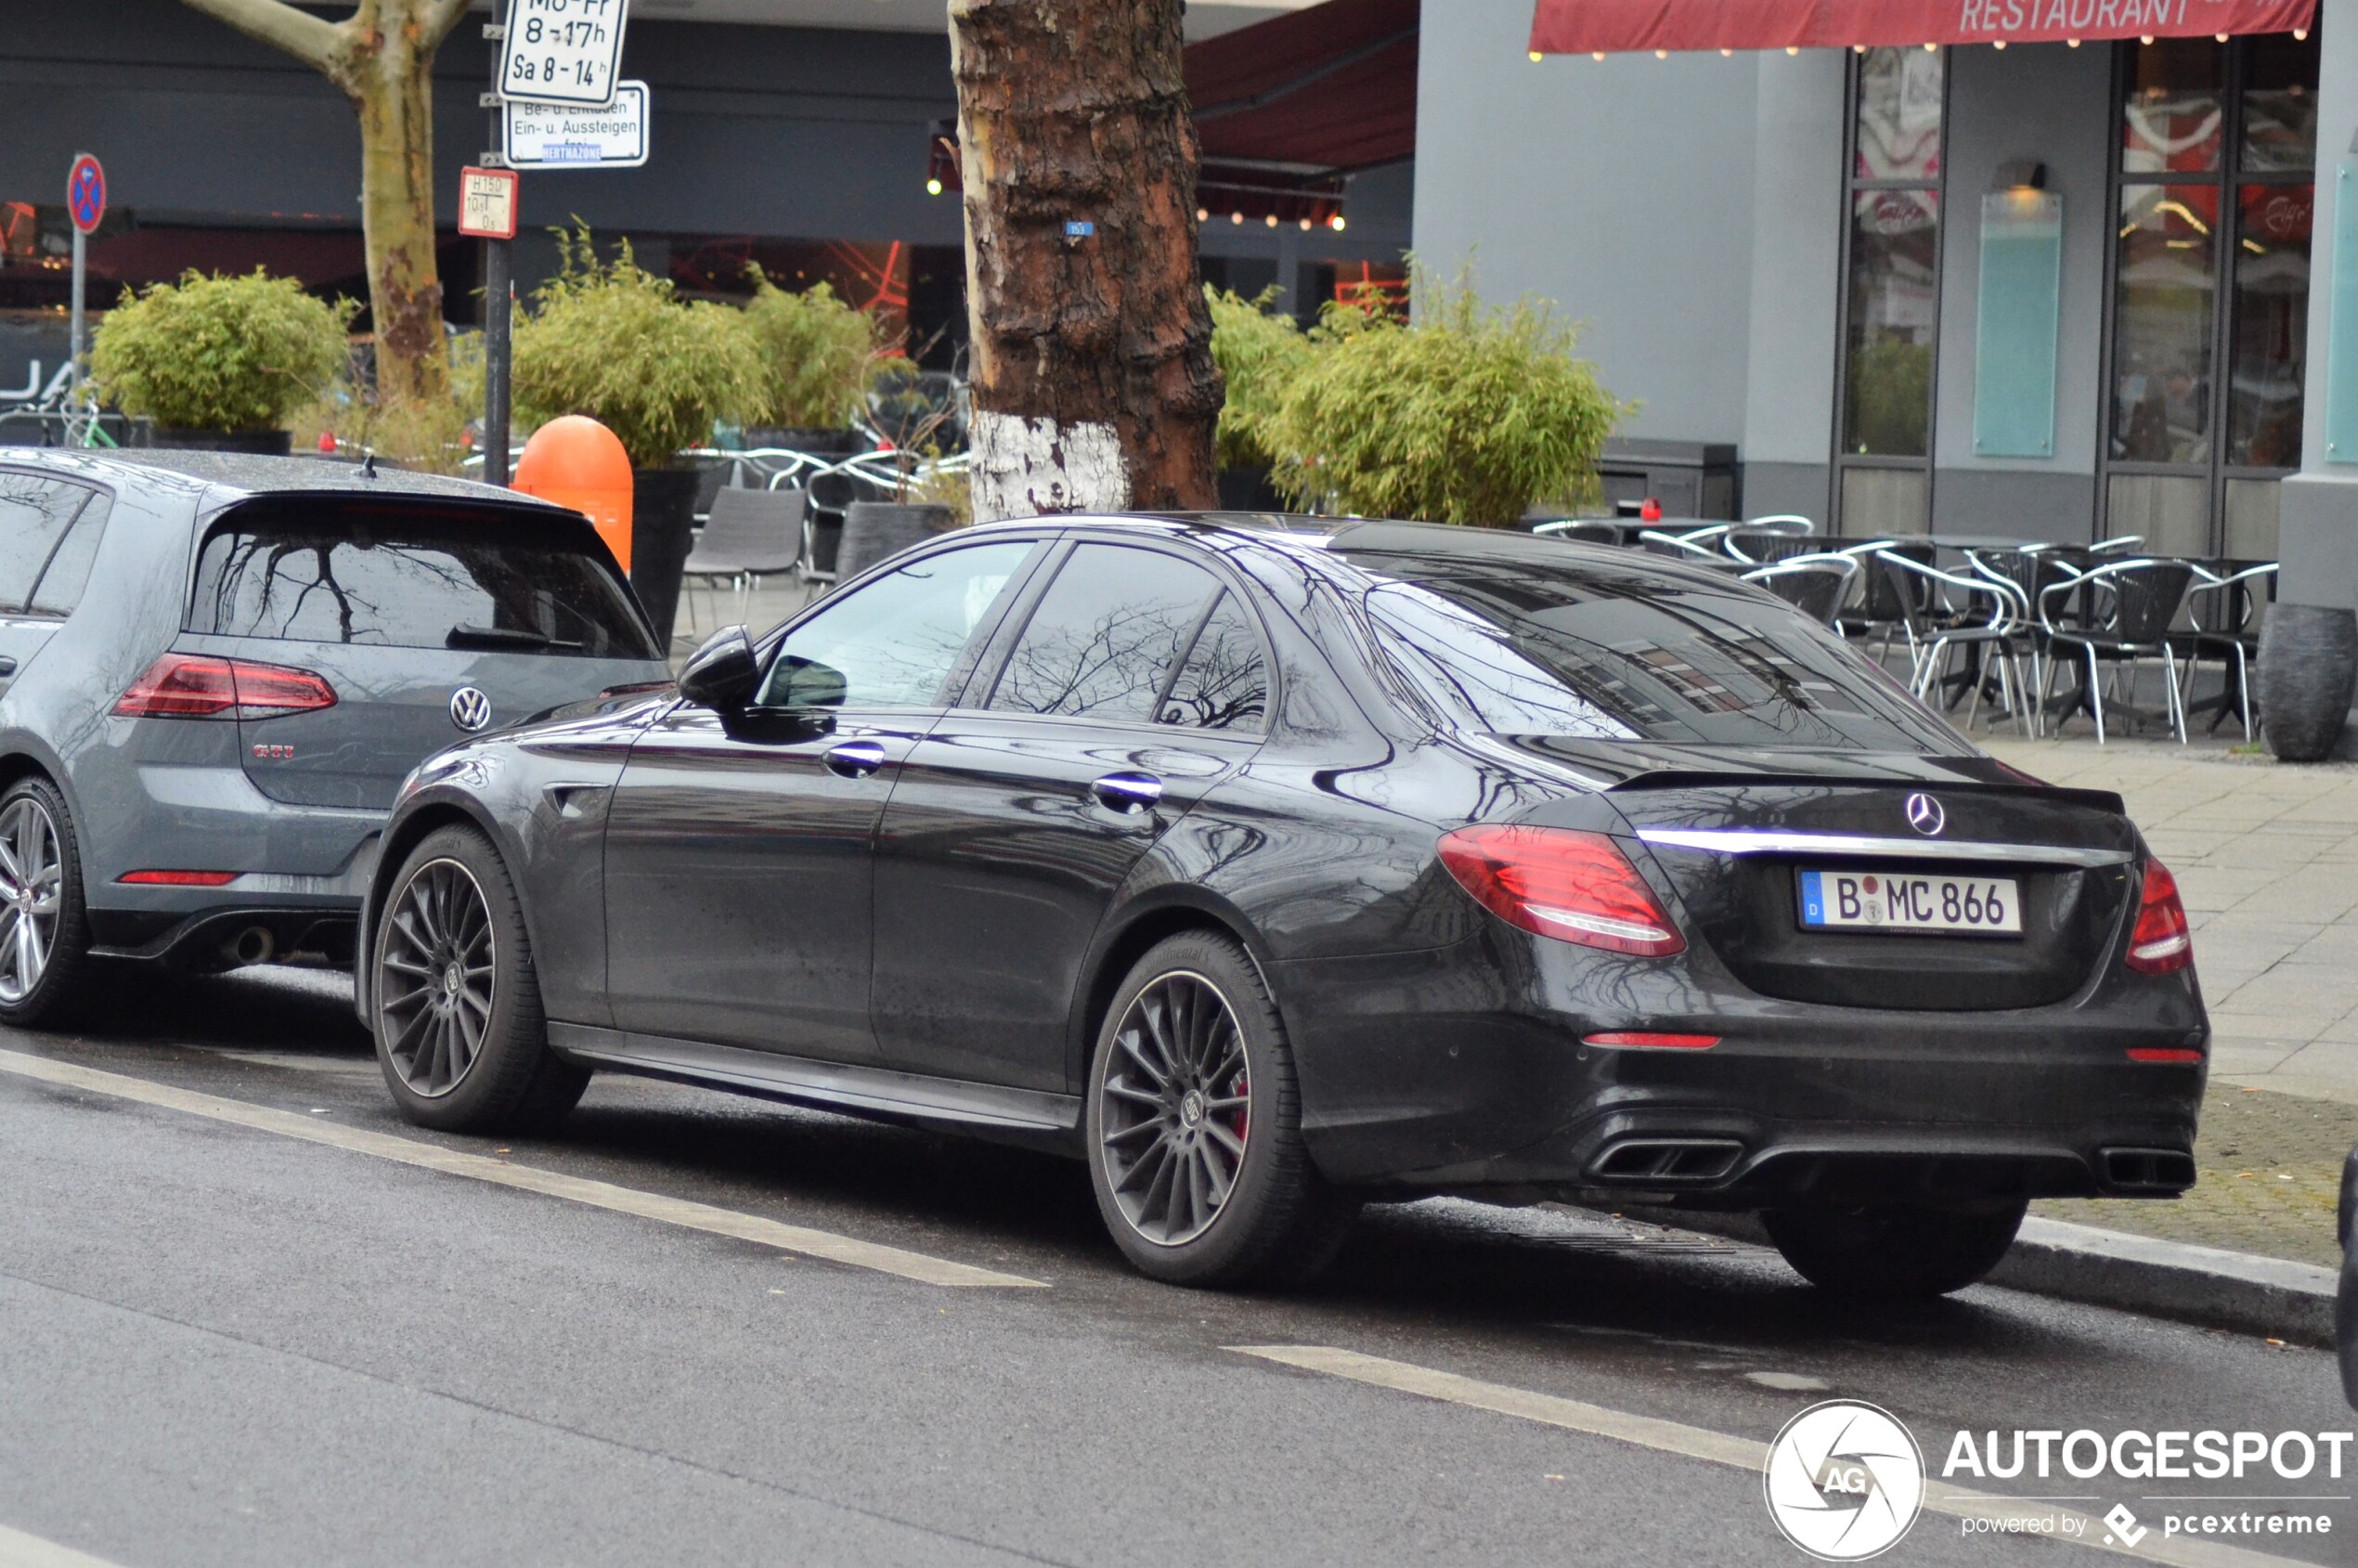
(1025, 467)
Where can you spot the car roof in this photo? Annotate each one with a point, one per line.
(1345, 537)
(239, 475)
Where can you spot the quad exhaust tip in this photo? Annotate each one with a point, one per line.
(1650, 1161)
(2147, 1170)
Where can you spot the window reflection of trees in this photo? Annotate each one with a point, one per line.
(1224, 684)
(394, 592)
(1106, 635)
(1523, 650)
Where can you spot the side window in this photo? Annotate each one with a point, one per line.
(34, 513)
(69, 570)
(1106, 635)
(893, 642)
(1224, 683)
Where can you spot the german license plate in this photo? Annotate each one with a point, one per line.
(1887, 901)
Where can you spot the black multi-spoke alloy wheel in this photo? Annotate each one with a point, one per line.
(1194, 1126)
(1894, 1250)
(45, 930)
(455, 1002)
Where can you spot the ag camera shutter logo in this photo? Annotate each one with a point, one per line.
(1845, 1481)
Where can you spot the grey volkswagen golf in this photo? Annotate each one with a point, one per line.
(215, 672)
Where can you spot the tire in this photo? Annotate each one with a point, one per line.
(454, 1001)
(1201, 1184)
(1894, 1251)
(45, 930)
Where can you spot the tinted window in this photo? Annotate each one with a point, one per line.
(1521, 647)
(378, 575)
(34, 514)
(1224, 683)
(1106, 635)
(893, 642)
(69, 570)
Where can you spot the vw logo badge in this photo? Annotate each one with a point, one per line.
(1923, 814)
(471, 710)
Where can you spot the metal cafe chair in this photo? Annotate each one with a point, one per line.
(2032, 569)
(2119, 544)
(1585, 531)
(749, 534)
(1974, 622)
(1686, 545)
(1880, 608)
(2122, 616)
(1816, 585)
(2225, 608)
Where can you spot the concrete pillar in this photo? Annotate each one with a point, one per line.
(2318, 529)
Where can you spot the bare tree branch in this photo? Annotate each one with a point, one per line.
(316, 43)
(441, 17)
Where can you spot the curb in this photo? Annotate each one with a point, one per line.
(2175, 1279)
(2205, 1286)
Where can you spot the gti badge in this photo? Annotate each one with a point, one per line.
(1924, 814)
(471, 710)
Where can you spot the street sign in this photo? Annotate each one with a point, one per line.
(562, 51)
(487, 203)
(86, 193)
(542, 136)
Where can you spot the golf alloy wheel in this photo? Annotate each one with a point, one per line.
(435, 978)
(31, 873)
(1175, 1111)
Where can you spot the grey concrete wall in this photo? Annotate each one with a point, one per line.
(793, 132)
(1622, 191)
(2048, 102)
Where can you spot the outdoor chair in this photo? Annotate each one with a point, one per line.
(2225, 608)
(2122, 616)
(1878, 610)
(1816, 585)
(1585, 531)
(831, 491)
(2031, 569)
(1976, 623)
(1765, 547)
(1686, 547)
(750, 535)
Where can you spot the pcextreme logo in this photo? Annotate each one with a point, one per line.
(1844, 1481)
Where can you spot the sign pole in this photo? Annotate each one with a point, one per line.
(81, 271)
(498, 299)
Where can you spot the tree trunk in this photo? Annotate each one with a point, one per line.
(382, 56)
(393, 94)
(1093, 379)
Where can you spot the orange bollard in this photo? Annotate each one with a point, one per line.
(578, 463)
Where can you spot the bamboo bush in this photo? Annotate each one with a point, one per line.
(220, 353)
(817, 352)
(613, 340)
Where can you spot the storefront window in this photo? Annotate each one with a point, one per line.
(1891, 296)
(2211, 288)
(1895, 246)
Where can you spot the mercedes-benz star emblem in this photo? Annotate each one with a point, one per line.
(471, 710)
(1926, 816)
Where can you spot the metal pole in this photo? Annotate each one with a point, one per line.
(499, 291)
(81, 253)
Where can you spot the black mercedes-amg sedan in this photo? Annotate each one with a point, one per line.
(1276, 865)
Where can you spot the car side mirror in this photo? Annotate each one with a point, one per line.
(722, 674)
(806, 683)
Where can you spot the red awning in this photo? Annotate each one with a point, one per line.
(1581, 27)
(1330, 88)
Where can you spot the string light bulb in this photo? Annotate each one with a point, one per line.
(1790, 49)
(1597, 55)
(1335, 222)
(933, 187)
(2300, 35)
(2000, 44)
(1536, 57)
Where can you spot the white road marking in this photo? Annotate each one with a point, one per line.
(21, 1550)
(1698, 1443)
(799, 1240)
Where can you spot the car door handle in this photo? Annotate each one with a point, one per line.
(8, 667)
(854, 759)
(1127, 792)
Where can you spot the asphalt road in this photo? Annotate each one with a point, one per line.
(224, 1342)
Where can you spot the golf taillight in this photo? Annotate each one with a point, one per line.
(199, 686)
(1562, 883)
(2161, 942)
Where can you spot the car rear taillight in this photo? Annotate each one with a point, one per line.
(2161, 942)
(1558, 882)
(179, 878)
(199, 686)
(1649, 1040)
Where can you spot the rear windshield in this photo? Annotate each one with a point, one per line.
(1515, 646)
(410, 577)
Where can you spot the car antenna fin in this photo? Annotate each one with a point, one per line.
(367, 462)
